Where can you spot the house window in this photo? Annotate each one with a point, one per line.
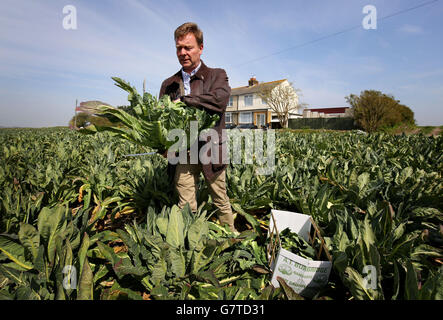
(245, 117)
(248, 100)
(263, 101)
(228, 117)
(231, 101)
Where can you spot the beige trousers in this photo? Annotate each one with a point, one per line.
(186, 180)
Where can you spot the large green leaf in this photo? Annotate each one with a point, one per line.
(51, 222)
(86, 283)
(15, 252)
(367, 233)
(404, 175)
(178, 263)
(358, 286)
(83, 251)
(198, 229)
(363, 181)
(399, 231)
(29, 238)
(176, 228)
(108, 253)
(204, 256)
(162, 225)
(411, 283)
(159, 271)
(396, 288)
(68, 265)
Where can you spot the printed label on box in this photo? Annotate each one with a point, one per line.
(305, 277)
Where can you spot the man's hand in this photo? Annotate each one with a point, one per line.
(176, 100)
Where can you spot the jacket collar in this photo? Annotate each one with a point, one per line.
(202, 73)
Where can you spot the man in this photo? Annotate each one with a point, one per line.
(205, 88)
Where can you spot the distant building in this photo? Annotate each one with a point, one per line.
(334, 112)
(247, 108)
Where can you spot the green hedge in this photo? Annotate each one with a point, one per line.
(322, 123)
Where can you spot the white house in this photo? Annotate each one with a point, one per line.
(247, 108)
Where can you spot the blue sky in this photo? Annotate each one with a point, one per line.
(45, 68)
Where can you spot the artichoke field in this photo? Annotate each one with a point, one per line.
(79, 220)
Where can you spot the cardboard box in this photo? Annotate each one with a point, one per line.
(305, 276)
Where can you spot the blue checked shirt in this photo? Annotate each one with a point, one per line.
(187, 79)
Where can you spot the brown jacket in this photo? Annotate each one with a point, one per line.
(210, 91)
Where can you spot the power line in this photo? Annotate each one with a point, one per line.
(407, 10)
(335, 34)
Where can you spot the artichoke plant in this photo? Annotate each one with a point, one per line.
(148, 120)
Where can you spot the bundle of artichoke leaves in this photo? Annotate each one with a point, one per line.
(147, 121)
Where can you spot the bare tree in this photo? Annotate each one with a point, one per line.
(282, 99)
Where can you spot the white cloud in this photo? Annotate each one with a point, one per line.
(411, 29)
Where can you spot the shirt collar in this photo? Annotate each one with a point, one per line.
(184, 74)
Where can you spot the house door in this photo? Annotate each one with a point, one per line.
(260, 120)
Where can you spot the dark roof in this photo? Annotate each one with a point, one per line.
(329, 110)
(255, 88)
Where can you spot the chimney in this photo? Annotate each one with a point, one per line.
(252, 81)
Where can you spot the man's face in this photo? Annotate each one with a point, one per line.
(188, 52)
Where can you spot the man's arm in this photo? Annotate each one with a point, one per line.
(162, 89)
(216, 99)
